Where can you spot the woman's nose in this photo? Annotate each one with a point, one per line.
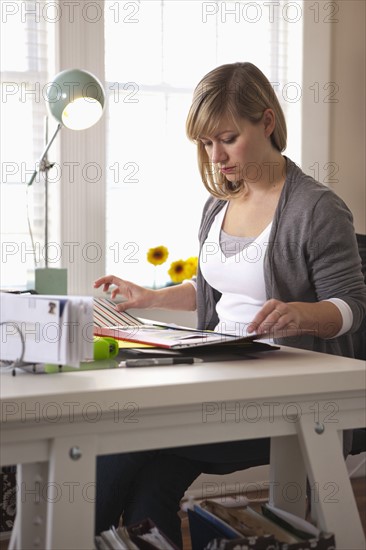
(218, 153)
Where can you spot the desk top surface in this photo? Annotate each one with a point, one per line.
(285, 372)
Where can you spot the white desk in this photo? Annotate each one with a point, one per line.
(301, 399)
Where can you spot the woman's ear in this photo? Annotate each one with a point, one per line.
(269, 121)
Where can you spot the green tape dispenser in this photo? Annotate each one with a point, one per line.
(105, 348)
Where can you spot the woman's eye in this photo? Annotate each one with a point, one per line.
(224, 141)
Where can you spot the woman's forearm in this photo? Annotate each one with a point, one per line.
(181, 297)
(322, 318)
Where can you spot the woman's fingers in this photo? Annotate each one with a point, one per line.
(107, 280)
(274, 314)
(135, 295)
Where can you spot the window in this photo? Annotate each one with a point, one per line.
(155, 54)
(25, 58)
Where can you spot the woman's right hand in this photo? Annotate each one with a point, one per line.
(135, 296)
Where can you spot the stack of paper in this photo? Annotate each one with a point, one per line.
(55, 329)
(140, 536)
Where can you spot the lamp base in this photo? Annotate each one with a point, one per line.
(51, 280)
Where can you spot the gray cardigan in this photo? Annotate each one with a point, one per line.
(312, 255)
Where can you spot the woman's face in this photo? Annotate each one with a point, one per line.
(241, 150)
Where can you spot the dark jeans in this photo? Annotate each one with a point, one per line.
(151, 483)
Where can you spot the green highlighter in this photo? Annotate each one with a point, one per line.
(105, 349)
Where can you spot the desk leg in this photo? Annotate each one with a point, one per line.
(30, 522)
(71, 501)
(287, 488)
(332, 495)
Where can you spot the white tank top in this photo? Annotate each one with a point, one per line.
(239, 277)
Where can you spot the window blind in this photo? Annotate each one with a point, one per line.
(24, 73)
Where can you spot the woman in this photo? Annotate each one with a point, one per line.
(278, 255)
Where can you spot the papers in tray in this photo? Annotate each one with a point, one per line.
(123, 326)
(55, 329)
(140, 536)
(294, 524)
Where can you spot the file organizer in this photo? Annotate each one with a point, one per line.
(215, 527)
(46, 329)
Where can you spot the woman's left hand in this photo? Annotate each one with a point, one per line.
(322, 319)
(276, 316)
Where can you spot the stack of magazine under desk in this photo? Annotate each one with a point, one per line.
(221, 524)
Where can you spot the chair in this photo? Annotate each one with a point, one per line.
(359, 343)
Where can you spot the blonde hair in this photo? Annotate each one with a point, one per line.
(235, 90)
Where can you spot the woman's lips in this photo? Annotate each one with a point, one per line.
(227, 169)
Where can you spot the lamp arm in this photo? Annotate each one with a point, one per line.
(44, 154)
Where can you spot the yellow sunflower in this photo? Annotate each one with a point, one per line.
(157, 255)
(178, 271)
(191, 266)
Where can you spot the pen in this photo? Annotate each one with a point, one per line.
(159, 362)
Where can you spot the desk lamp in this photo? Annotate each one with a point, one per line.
(75, 98)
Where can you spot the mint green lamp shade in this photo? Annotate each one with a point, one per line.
(76, 99)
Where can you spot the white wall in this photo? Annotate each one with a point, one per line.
(347, 128)
(333, 135)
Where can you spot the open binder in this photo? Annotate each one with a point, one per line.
(123, 326)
